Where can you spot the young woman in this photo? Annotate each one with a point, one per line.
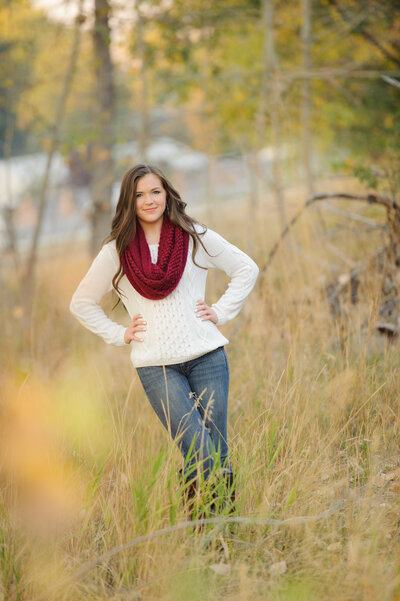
(156, 259)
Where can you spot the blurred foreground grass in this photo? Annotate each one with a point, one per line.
(313, 420)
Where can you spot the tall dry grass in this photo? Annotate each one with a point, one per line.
(313, 425)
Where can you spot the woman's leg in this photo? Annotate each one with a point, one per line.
(171, 397)
(208, 378)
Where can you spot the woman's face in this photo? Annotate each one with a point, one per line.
(151, 199)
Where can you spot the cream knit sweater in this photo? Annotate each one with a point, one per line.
(174, 334)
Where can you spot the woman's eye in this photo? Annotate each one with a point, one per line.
(156, 191)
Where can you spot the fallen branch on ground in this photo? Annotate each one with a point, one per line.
(294, 521)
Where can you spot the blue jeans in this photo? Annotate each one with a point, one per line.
(191, 401)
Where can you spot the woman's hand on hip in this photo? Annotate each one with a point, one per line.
(205, 312)
(137, 325)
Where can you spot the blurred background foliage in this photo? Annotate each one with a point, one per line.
(204, 62)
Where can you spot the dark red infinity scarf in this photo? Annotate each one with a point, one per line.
(156, 280)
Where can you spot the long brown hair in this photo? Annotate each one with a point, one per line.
(123, 226)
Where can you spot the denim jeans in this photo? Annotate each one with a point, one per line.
(191, 401)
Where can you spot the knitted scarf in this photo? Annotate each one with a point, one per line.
(156, 280)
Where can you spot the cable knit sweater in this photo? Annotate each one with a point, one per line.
(173, 332)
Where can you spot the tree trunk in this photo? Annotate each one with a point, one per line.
(270, 101)
(144, 113)
(102, 172)
(306, 98)
(9, 210)
(260, 117)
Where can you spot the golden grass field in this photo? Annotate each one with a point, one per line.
(313, 424)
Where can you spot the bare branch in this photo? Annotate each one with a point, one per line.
(349, 215)
(367, 35)
(387, 328)
(370, 198)
(391, 80)
(315, 259)
(336, 251)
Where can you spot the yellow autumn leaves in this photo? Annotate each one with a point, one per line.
(51, 432)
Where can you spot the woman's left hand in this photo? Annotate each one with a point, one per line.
(205, 312)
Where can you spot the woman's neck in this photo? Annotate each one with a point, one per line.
(152, 231)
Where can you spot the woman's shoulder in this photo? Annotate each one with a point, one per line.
(200, 228)
(111, 245)
(109, 250)
(211, 241)
(205, 232)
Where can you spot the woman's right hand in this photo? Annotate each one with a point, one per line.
(137, 325)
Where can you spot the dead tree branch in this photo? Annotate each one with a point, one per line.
(366, 34)
(349, 215)
(391, 80)
(384, 201)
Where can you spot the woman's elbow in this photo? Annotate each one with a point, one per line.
(73, 306)
(255, 270)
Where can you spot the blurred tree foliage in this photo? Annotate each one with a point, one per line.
(209, 60)
(18, 44)
(206, 63)
(204, 66)
(362, 112)
(34, 53)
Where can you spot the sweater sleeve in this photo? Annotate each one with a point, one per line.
(242, 270)
(85, 301)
